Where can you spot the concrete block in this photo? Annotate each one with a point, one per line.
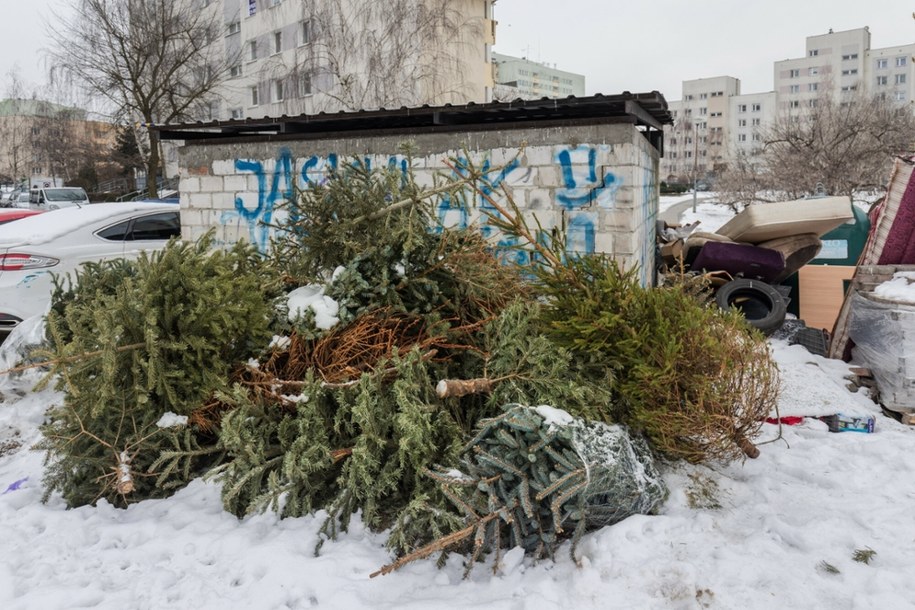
(549, 176)
(224, 201)
(224, 168)
(538, 155)
(522, 176)
(235, 183)
(603, 243)
(211, 184)
(538, 199)
(200, 200)
(189, 185)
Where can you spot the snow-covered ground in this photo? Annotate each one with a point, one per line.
(762, 534)
(781, 531)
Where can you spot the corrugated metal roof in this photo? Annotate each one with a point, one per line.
(648, 110)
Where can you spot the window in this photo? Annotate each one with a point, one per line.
(850, 88)
(162, 226)
(742, 137)
(900, 79)
(234, 28)
(155, 227)
(236, 113)
(900, 96)
(255, 98)
(756, 107)
(813, 71)
(252, 50)
(794, 73)
(277, 42)
(277, 91)
(849, 56)
(703, 96)
(689, 97)
(812, 103)
(756, 137)
(849, 72)
(882, 63)
(304, 85)
(794, 89)
(881, 80)
(235, 71)
(812, 86)
(305, 31)
(741, 107)
(715, 114)
(742, 123)
(794, 104)
(900, 62)
(813, 52)
(755, 123)
(703, 110)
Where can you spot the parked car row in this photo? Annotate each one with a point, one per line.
(46, 198)
(38, 245)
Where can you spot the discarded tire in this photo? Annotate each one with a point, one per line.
(761, 304)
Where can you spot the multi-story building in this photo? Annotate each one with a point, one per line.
(697, 143)
(39, 138)
(748, 114)
(836, 65)
(308, 56)
(518, 77)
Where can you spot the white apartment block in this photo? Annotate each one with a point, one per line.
(697, 143)
(519, 77)
(748, 114)
(308, 56)
(835, 64)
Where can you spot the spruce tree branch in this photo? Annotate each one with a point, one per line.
(69, 359)
(438, 545)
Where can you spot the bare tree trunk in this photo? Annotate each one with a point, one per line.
(152, 166)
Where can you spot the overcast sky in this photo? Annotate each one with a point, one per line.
(631, 45)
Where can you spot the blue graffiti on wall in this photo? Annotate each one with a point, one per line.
(259, 217)
(581, 185)
(585, 189)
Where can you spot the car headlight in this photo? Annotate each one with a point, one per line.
(22, 262)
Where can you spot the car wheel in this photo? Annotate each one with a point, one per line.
(761, 304)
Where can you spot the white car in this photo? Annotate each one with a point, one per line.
(55, 198)
(34, 248)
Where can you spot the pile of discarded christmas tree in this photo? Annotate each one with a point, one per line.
(377, 362)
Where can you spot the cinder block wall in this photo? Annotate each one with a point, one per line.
(598, 182)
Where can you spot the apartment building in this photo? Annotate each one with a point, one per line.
(519, 77)
(748, 113)
(40, 138)
(697, 144)
(309, 56)
(836, 65)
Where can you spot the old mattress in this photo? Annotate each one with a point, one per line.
(740, 260)
(765, 221)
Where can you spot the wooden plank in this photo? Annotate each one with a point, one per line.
(821, 292)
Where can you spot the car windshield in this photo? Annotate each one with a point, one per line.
(65, 194)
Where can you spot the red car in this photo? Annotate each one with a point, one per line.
(12, 214)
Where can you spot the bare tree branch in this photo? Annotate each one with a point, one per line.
(153, 60)
(845, 145)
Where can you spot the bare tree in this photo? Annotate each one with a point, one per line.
(14, 128)
(154, 60)
(387, 54)
(845, 145)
